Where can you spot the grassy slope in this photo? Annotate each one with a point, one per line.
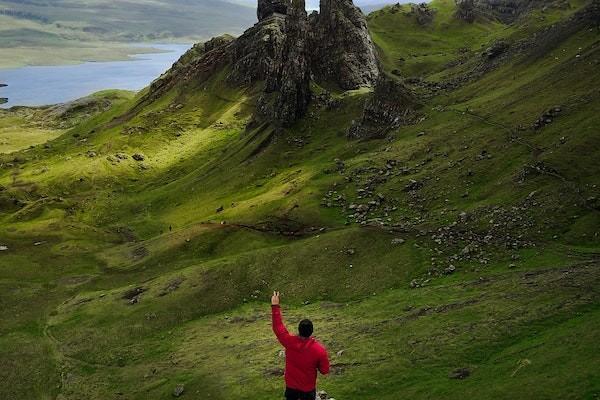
(82, 231)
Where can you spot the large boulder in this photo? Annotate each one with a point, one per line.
(391, 106)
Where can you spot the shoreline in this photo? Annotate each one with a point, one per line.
(35, 86)
(39, 56)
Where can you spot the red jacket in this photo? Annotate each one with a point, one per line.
(302, 356)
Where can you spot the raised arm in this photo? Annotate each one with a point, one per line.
(278, 327)
(324, 363)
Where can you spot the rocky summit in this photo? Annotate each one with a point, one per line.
(285, 50)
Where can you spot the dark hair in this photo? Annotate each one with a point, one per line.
(305, 328)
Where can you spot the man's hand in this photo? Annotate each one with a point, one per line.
(275, 299)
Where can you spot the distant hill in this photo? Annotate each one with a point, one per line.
(131, 20)
(49, 32)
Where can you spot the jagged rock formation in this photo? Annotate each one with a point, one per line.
(343, 51)
(287, 89)
(391, 106)
(465, 10)
(284, 50)
(267, 8)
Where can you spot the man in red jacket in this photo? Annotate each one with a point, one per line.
(303, 356)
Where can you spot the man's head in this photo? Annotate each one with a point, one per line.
(305, 328)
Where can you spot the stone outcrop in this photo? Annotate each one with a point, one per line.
(391, 106)
(465, 10)
(343, 52)
(267, 8)
(423, 13)
(287, 88)
(284, 51)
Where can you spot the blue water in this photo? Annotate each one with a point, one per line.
(36, 86)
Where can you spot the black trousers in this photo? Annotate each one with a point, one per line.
(293, 394)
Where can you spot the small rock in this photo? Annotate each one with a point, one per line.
(178, 391)
(450, 270)
(460, 373)
(3, 248)
(138, 157)
(397, 241)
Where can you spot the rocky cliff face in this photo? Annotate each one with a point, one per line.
(266, 8)
(283, 51)
(343, 52)
(287, 89)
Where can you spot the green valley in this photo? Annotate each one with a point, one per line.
(451, 253)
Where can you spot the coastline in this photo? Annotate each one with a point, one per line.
(78, 53)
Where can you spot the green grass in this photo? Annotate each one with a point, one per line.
(520, 312)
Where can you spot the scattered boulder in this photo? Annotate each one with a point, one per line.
(276, 371)
(450, 270)
(138, 157)
(496, 49)
(171, 286)
(547, 117)
(179, 390)
(459, 373)
(322, 395)
(413, 185)
(133, 295)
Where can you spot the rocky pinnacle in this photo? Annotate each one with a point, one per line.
(284, 50)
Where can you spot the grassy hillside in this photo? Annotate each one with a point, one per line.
(33, 32)
(123, 277)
